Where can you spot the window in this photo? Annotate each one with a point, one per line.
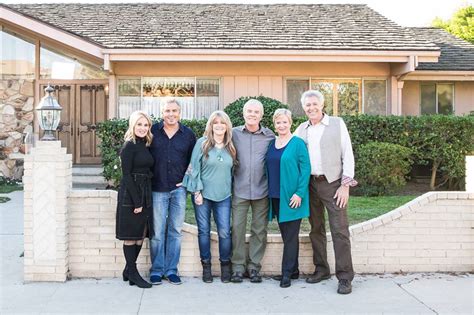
(198, 97)
(327, 89)
(294, 89)
(129, 100)
(436, 98)
(56, 65)
(341, 97)
(375, 97)
(17, 56)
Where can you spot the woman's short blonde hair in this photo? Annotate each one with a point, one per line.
(282, 112)
(132, 122)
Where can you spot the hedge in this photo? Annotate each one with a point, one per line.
(381, 168)
(437, 140)
(441, 141)
(235, 109)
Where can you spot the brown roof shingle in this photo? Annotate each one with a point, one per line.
(456, 54)
(229, 26)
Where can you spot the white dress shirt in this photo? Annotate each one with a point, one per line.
(315, 133)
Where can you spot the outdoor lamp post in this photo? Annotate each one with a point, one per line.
(49, 114)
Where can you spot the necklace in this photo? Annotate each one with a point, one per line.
(281, 142)
(219, 155)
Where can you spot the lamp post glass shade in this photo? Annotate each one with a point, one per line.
(49, 114)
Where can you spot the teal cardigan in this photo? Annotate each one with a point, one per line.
(295, 172)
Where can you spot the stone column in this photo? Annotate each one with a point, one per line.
(47, 182)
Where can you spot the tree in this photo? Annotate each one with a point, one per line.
(460, 25)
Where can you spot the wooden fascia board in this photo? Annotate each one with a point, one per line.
(54, 33)
(427, 75)
(266, 55)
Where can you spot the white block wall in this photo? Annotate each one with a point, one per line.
(434, 232)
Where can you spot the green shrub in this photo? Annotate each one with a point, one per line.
(197, 126)
(234, 110)
(381, 168)
(7, 185)
(111, 133)
(441, 141)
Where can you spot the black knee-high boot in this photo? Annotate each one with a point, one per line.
(138, 248)
(133, 275)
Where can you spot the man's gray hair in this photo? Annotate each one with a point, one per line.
(253, 101)
(170, 100)
(311, 93)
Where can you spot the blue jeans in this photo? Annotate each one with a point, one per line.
(221, 213)
(168, 218)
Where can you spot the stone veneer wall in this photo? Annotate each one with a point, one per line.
(434, 232)
(16, 120)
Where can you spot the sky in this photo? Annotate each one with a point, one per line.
(403, 12)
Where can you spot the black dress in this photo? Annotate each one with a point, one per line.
(134, 192)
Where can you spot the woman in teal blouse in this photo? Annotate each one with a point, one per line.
(209, 179)
(289, 170)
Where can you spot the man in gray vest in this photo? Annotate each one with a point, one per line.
(250, 191)
(332, 173)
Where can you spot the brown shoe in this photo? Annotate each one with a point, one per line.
(344, 287)
(318, 277)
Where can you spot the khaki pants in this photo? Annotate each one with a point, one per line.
(321, 195)
(241, 259)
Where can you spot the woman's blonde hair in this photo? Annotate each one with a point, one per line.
(282, 112)
(209, 143)
(132, 122)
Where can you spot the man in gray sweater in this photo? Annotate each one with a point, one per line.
(250, 190)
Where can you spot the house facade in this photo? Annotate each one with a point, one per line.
(107, 60)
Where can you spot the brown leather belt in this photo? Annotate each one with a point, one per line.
(319, 178)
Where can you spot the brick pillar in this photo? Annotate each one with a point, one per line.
(47, 182)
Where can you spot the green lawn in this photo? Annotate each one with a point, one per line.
(4, 199)
(360, 209)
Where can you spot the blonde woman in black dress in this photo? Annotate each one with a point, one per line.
(134, 205)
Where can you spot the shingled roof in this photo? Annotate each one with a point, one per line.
(229, 26)
(456, 54)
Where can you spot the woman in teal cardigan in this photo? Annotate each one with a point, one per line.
(288, 170)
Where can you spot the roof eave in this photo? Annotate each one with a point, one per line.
(27, 22)
(119, 54)
(437, 75)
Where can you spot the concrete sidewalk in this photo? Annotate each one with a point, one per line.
(392, 294)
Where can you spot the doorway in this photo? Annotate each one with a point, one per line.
(84, 106)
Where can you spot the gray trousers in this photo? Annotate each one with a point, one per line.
(241, 258)
(321, 195)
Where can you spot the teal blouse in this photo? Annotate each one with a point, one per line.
(211, 175)
(295, 172)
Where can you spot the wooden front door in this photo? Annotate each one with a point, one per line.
(84, 106)
(91, 108)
